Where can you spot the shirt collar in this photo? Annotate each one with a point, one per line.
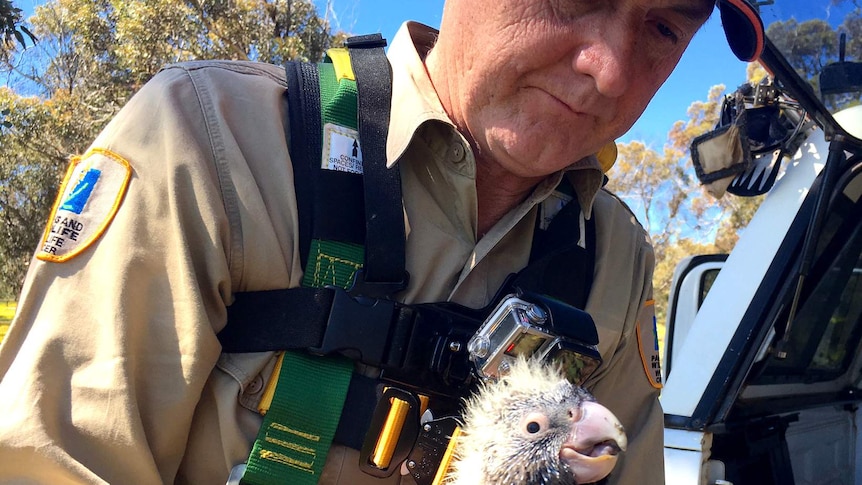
(414, 99)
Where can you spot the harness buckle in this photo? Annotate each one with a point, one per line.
(368, 41)
(376, 289)
(428, 462)
(359, 325)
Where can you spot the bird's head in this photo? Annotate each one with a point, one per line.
(535, 427)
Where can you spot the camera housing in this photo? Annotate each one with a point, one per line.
(521, 328)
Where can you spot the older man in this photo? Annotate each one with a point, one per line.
(112, 372)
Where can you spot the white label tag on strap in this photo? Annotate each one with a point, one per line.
(341, 150)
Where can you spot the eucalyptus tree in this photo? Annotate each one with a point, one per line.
(90, 58)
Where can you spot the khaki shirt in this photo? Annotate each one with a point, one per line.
(112, 372)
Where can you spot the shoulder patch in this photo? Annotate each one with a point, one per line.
(647, 334)
(89, 197)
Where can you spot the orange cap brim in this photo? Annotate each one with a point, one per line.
(743, 28)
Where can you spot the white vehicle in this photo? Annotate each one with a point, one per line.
(763, 358)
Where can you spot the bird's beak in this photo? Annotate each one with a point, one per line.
(596, 439)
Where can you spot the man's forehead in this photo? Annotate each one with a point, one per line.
(697, 10)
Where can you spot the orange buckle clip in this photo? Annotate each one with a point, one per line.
(393, 431)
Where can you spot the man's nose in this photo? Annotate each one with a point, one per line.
(609, 58)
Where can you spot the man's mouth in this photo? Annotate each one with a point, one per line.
(573, 107)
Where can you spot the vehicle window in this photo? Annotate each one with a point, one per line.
(826, 332)
(708, 279)
(837, 343)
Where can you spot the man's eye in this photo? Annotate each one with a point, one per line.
(666, 31)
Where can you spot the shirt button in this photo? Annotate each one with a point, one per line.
(254, 386)
(456, 153)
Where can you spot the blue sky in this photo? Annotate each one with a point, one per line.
(707, 62)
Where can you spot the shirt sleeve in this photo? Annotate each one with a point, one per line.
(635, 401)
(106, 358)
(621, 304)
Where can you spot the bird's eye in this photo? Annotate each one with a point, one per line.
(534, 423)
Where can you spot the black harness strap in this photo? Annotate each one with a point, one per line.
(563, 258)
(332, 205)
(384, 272)
(306, 143)
(291, 319)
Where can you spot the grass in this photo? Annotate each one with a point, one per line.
(7, 310)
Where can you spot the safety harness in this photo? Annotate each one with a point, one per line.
(352, 245)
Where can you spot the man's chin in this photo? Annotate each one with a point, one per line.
(541, 156)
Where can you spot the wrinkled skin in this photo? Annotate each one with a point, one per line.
(536, 85)
(536, 428)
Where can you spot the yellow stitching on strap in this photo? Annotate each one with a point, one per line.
(286, 460)
(291, 446)
(341, 62)
(301, 434)
(324, 269)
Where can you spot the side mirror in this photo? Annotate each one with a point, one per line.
(842, 76)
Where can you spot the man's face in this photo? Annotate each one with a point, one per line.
(539, 84)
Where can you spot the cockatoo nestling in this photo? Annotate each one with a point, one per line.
(534, 427)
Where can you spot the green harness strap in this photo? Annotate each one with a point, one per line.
(298, 427)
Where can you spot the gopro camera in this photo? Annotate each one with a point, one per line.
(536, 326)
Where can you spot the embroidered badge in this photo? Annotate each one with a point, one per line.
(647, 333)
(341, 151)
(89, 197)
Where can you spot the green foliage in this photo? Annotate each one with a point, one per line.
(10, 28)
(92, 56)
(35, 142)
